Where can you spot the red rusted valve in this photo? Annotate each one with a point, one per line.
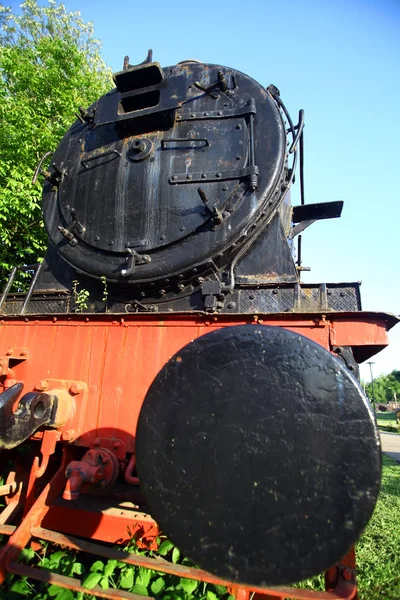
(95, 473)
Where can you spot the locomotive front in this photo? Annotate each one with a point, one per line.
(167, 369)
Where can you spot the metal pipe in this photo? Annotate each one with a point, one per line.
(33, 283)
(8, 286)
(129, 478)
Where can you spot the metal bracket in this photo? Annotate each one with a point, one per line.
(132, 260)
(212, 292)
(242, 111)
(200, 177)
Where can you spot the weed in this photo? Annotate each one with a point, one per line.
(105, 291)
(81, 298)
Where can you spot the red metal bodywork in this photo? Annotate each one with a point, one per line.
(107, 363)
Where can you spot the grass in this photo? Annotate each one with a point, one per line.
(378, 551)
(378, 563)
(387, 422)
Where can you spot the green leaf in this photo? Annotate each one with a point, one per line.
(126, 581)
(27, 554)
(220, 589)
(157, 586)
(77, 568)
(110, 567)
(104, 583)
(211, 596)
(165, 547)
(139, 589)
(53, 590)
(175, 555)
(97, 566)
(92, 580)
(143, 577)
(65, 595)
(189, 585)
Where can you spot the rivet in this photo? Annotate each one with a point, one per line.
(225, 188)
(219, 113)
(162, 237)
(179, 117)
(238, 157)
(166, 280)
(181, 229)
(76, 388)
(218, 175)
(180, 275)
(152, 159)
(200, 279)
(143, 294)
(162, 292)
(194, 270)
(205, 114)
(111, 243)
(231, 305)
(226, 104)
(191, 115)
(251, 296)
(117, 445)
(41, 385)
(181, 287)
(238, 126)
(203, 176)
(68, 435)
(188, 177)
(175, 177)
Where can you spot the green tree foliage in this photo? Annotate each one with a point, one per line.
(386, 388)
(49, 66)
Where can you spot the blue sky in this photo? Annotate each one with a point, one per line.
(340, 61)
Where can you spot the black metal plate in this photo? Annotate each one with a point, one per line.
(258, 455)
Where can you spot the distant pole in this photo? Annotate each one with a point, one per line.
(372, 385)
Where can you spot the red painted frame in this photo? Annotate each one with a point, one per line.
(108, 362)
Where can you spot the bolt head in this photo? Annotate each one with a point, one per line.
(41, 385)
(68, 435)
(76, 388)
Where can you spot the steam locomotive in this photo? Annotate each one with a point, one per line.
(167, 370)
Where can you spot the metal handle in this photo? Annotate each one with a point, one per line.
(39, 166)
(91, 158)
(299, 127)
(166, 141)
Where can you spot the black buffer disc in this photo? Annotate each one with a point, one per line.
(258, 455)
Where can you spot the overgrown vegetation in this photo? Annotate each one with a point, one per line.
(50, 64)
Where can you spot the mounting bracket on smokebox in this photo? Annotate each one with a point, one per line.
(306, 214)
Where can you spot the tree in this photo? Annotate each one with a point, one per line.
(49, 65)
(386, 388)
